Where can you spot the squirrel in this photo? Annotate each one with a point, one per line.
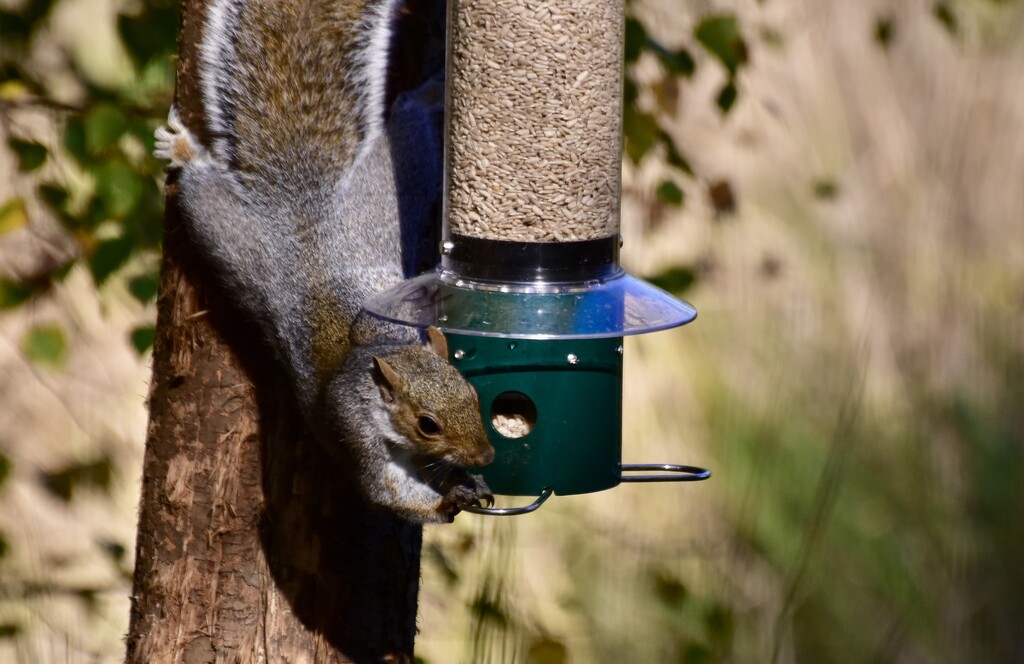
(294, 205)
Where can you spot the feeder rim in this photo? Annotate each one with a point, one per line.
(619, 306)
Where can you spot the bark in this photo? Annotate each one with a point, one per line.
(252, 546)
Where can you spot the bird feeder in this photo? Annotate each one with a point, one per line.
(529, 290)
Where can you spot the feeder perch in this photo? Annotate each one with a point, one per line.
(529, 290)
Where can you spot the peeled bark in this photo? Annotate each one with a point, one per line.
(252, 545)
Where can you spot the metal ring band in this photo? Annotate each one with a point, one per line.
(507, 261)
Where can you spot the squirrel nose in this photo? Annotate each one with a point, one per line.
(484, 454)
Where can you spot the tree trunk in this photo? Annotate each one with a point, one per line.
(252, 545)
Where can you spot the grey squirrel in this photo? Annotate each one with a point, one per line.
(294, 204)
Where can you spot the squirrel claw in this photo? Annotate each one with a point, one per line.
(471, 490)
(484, 497)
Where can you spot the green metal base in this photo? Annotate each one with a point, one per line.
(567, 393)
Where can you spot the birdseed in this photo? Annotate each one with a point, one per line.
(535, 97)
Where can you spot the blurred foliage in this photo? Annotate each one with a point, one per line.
(45, 345)
(85, 183)
(12, 216)
(649, 105)
(5, 469)
(64, 482)
(97, 177)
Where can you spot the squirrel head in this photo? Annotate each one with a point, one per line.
(431, 404)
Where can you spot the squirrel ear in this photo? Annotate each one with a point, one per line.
(437, 343)
(386, 378)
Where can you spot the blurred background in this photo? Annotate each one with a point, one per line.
(839, 189)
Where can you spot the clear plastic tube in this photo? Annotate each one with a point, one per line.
(534, 119)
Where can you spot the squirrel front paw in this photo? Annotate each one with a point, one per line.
(465, 490)
(176, 143)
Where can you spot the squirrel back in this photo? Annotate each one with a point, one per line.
(296, 110)
(295, 206)
(320, 66)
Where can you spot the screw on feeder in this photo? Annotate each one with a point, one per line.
(529, 279)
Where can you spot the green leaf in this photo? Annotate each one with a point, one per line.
(55, 197)
(45, 345)
(144, 223)
(12, 216)
(669, 193)
(719, 622)
(63, 482)
(104, 125)
(95, 214)
(152, 33)
(15, 82)
(641, 132)
(630, 92)
(636, 39)
(74, 140)
(826, 189)
(114, 550)
(144, 132)
(676, 280)
(156, 82)
(14, 29)
(119, 186)
(31, 155)
(670, 590)
(674, 157)
(944, 14)
(108, 257)
(678, 62)
(727, 97)
(13, 293)
(884, 28)
(721, 36)
(144, 287)
(5, 468)
(12, 76)
(143, 338)
(35, 11)
(696, 654)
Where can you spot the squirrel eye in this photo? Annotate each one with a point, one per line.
(427, 425)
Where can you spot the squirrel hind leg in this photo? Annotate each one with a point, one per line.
(175, 143)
